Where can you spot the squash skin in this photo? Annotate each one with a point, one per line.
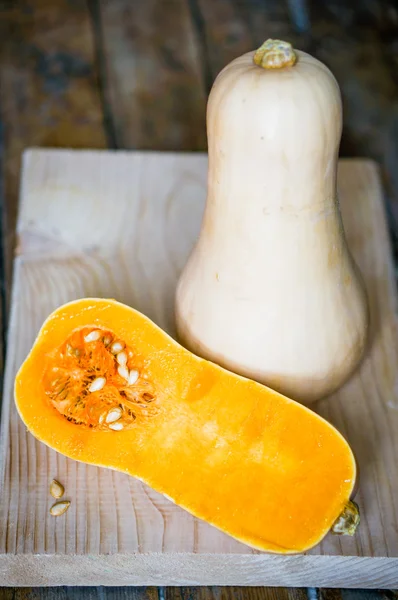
(270, 290)
(233, 452)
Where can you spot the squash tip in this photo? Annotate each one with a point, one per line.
(275, 54)
(348, 521)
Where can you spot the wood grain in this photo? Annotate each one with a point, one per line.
(331, 594)
(119, 224)
(152, 69)
(224, 33)
(170, 593)
(78, 593)
(48, 90)
(235, 593)
(190, 593)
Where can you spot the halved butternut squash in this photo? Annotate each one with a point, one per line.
(104, 385)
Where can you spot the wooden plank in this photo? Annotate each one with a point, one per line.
(187, 593)
(154, 80)
(230, 28)
(128, 198)
(354, 44)
(223, 33)
(235, 593)
(48, 90)
(331, 594)
(79, 593)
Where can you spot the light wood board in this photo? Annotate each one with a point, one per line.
(121, 224)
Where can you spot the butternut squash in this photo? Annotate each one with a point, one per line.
(104, 385)
(270, 290)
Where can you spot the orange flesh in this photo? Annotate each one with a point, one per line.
(260, 467)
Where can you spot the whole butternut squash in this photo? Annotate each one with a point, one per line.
(104, 385)
(270, 290)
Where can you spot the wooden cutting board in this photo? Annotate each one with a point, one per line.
(121, 224)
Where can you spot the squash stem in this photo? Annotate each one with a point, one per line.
(347, 523)
(275, 54)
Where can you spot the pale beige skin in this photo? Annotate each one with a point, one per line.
(270, 290)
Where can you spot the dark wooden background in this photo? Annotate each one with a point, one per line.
(191, 593)
(136, 74)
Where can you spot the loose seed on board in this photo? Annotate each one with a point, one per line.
(93, 336)
(107, 340)
(117, 347)
(59, 508)
(56, 489)
(113, 415)
(123, 372)
(116, 426)
(121, 358)
(97, 384)
(133, 376)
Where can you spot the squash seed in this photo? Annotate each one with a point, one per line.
(93, 336)
(123, 372)
(117, 347)
(72, 351)
(107, 340)
(59, 508)
(121, 358)
(97, 384)
(56, 489)
(113, 415)
(116, 426)
(133, 376)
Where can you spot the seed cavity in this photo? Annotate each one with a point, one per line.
(116, 426)
(93, 336)
(133, 376)
(117, 347)
(59, 508)
(71, 351)
(107, 340)
(121, 358)
(101, 385)
(113, 415)
(97, 384)
(123, 372)
(56, 489)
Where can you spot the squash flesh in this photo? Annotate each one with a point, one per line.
(255, 464)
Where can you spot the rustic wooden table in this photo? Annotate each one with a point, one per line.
(131, 74)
